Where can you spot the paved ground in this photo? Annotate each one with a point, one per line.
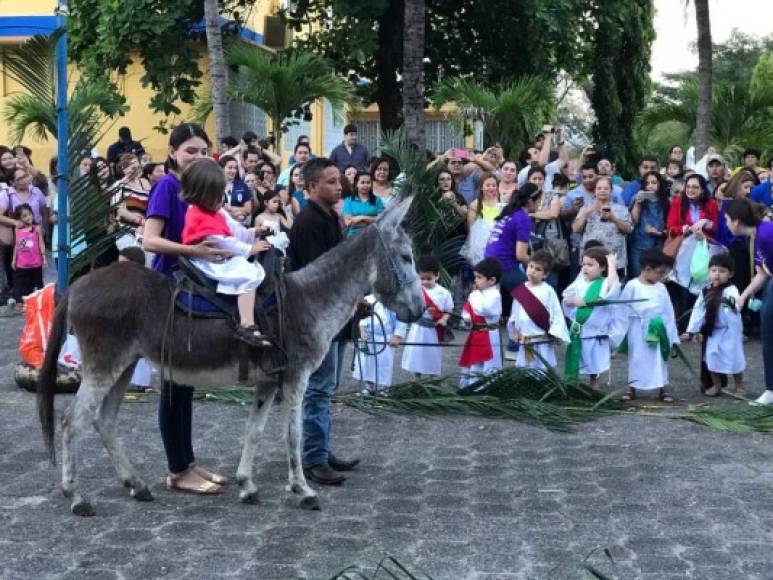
(460, 498)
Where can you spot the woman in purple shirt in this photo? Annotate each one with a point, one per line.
(163, 237)
(509, 240)
(744, 218)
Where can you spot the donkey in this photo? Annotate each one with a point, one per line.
(118, 315)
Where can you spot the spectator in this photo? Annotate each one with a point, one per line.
(302, 155)
(226, 144)
(763, 193)
(363, 207)
(84, 165)
(350, 173)
(481, 217)
(648, 213)
(674, 169)
(508, 174)
(29, 255)
(273, 215)
(237, 200)
(349, 152)
(266, 179)
(7, 165)
(300, 196)
(605, 167)
(540, 155)
(153, 172)
(306, 141)
(715, 171)
(675, 153)
(382, 174)
(130, 197)
(646, 164)
(125, 144)
(606, 221)
(751, 157)
(545, 217)
(23, 192)
(466, 170)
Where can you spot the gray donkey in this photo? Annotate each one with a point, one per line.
(119, 314)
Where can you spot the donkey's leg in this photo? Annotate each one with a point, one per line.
(78, 414)
(105, 423)
(256, 423)
(292, 405)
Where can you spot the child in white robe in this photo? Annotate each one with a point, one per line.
(591, 331)
(716, 322)
(373, 364)
(651, 327)
(430, 328)
(540, 322)
(483, 309)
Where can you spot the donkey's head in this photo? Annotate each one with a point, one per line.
(397, 285)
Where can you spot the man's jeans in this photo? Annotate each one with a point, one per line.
(316, 410)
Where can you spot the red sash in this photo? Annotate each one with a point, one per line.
(533, 307)
(477, 347)
(435, 313)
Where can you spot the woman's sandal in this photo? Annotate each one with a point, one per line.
(252, 336)
(176, 482)
(629, 395)
(209, 476)
(665, 397)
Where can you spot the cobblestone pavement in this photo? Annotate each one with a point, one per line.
(461, 498)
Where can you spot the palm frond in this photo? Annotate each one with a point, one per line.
(31, 64)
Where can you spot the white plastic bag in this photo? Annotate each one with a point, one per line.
(70, 355)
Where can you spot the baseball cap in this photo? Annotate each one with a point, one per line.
(715, 157)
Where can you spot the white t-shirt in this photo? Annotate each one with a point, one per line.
(550, 170)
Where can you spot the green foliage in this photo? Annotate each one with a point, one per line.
(284, 85)
(511, 114)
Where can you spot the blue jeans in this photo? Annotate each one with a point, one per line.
(766, 334)
(316, 409)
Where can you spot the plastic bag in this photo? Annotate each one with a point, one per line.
(699, 263)
(39, 314)
(682, 273)
(70, 355)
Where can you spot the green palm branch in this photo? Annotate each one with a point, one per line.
(284, 85)
(511, 114)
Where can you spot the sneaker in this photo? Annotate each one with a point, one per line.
(765, 398)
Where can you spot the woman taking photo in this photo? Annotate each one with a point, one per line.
(648, 213)
(163, 237)
(363, 207)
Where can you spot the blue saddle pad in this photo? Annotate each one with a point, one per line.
(200, 306)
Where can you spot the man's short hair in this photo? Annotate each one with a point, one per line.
(350, 128)
(250, 151)
(751, 151)
(229, 141)
(589, 166)
(298, 145)
(648, 157)
(313, 168)
(249, 136)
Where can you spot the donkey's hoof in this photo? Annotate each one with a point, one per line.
(250, 497)
(82, 508)
(310, 502)
(142, 494)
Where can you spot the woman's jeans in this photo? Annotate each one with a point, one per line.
(767, 335)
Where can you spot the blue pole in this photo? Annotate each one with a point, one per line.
(62, 137)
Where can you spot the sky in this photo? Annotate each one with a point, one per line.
(676, 29)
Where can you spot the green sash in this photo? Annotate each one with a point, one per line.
(574, 352)
(657, 336)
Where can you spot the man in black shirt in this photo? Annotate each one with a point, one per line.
(125, 144)
(315, 231)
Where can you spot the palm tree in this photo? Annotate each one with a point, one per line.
(511, 114)
(218, 73)
(703, 114)
(284, 85)
(413, 71)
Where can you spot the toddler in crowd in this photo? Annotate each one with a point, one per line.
(588, 352)
(536, 322)
(717, 324)
(29, 255)
(375, 361)
(482, 351)
(431, 327)
(651, 327)
(202, 186)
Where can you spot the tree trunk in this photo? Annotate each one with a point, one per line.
(413, 71)
(389, 58)
(277, 134)
(703, 117)
(217, 70)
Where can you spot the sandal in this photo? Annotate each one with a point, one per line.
(252, 336)
(178, 483)
(208, 475)
(629, 395)
(712, 392)
(665, 397)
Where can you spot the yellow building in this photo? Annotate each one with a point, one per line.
(20, 19)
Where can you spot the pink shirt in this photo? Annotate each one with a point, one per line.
(28, 254)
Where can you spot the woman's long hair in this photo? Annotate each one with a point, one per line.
(356, 193)
(685, 207)
(661, 194)
(519, 200)
(734, 188)
(483, 178)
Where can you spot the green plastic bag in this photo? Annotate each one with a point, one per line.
(699, 263)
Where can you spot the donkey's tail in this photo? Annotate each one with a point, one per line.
(48, 374)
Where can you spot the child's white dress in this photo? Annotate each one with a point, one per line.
(724, 347)
(426, 360)
(375, 365)
(646, 368)
(521, 323)
(594, 358)
(488, 304)
(235, 275)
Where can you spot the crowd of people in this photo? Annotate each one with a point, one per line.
(558, 250)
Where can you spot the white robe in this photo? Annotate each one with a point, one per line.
(724, 348)
(425, 360)
(646, 368)
(375, 365)
(520, 323)
(488, 304)
(235, 275)
(594, 358)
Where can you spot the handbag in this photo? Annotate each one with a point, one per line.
(556, 247)
(672, 244)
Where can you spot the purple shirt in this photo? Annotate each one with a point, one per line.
(37, 201)
(763, 246)
(165, 203)
(505, 234)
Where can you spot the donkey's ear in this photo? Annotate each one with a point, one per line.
(395, 215)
